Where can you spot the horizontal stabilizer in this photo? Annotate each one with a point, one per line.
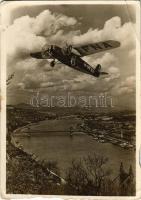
(103, 73)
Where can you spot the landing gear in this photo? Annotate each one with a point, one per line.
(52, 63)
(73, 61)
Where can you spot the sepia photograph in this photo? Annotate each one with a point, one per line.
(70, 108)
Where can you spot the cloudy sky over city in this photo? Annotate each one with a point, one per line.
(31, 27)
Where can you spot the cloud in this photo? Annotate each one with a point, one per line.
(126, 87)
(47, 23)
(113, 29)
(28, 34)
(109, 64)
(31, 82)
(21, 39)
(48, 27)
(106, 60)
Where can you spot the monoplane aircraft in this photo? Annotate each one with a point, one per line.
(72, 55)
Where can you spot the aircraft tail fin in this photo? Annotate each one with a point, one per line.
(97, 71)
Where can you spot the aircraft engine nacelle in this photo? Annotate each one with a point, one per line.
(67, 49)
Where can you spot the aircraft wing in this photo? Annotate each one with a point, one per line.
(40, 55)
(85, 50)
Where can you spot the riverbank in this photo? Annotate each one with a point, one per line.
(26, 173)
(63, 148)
(29, 174)
(33, 156)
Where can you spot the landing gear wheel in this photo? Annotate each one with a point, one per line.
(52, 64)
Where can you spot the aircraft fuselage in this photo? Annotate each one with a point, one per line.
(72, 60)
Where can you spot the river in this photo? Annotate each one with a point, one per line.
(60, 147)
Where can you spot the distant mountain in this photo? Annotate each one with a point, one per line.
(23, 105)
(73, 110)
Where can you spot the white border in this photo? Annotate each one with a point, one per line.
(8, 6)
(3, 110)
(138, 104)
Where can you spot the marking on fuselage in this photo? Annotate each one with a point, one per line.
(88, 67)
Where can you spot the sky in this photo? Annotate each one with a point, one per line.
(31, 27)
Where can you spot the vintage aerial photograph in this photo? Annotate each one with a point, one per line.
(71, 99)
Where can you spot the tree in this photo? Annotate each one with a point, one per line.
(77, 178)
(96, 171)
(87, 176)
